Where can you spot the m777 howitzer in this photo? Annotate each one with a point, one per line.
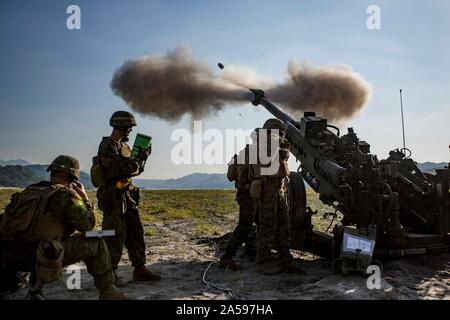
(389, 207)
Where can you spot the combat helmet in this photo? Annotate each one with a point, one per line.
(274, 123)
(66, 164)
(122, 119)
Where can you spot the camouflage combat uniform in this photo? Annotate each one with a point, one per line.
(118, 199)
(274, 222)
(9, 282)
(247, 206)
(65, 213)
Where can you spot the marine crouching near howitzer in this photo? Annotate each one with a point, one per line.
(38, 232)
(118, 198)
(268, 189)
(239, 172)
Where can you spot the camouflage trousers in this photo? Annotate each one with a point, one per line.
(274, 224)
(92, 251)
(241, 233)
(8, 279)
(121, 214)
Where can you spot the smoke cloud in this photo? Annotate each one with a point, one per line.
(173, 85)
(176, 84)
(334, 92)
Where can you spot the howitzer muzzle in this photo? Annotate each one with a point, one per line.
(258, 95)
(260, 98)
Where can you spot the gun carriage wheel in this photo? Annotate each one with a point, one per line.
(296, 196)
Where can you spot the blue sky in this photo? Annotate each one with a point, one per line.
(54, 85)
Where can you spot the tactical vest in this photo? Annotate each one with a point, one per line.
(125, 151)
(26, 218)
(282, 171)
(243, 180)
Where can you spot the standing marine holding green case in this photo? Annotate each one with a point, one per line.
(118, 198)
(142, 142)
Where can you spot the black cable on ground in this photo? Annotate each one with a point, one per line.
(226, 290)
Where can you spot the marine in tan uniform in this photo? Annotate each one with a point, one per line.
(269, 192)
(38, 231)
(118, 198)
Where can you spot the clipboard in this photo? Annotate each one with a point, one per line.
(142, 142)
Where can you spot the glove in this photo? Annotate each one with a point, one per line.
(142, 156)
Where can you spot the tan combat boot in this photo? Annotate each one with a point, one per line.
(118, 281)
(145, 275)
(227, 262)
(35, 295)
(112, 293)
(291, 268)
(35, 292)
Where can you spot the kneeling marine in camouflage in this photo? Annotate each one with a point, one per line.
(38, 232)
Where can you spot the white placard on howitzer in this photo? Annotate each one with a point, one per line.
(100, 233)
(352, 243)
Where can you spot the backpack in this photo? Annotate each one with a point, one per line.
(21, 213)
(97, 174)
(238, 168)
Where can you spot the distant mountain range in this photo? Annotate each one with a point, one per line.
(192, 181)
(20, 176)
(17, 177)
(431, 166)
(16, 162)
(41, 171)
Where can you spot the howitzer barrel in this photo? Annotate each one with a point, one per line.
(332, 171)
(259, 98)
(324, 169)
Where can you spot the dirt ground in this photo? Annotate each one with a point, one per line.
(181, 257)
